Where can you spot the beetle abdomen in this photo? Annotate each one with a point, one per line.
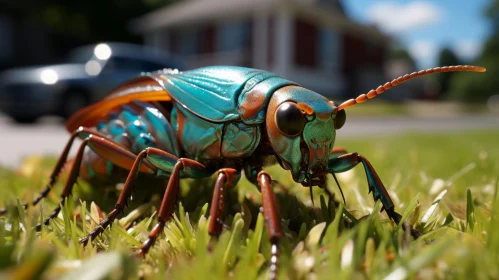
(135, 126)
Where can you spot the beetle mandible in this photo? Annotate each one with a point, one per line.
(224, 120)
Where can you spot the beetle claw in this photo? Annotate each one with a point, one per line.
(138, 254)
(84, 240)
(311, 196)
(396, 217)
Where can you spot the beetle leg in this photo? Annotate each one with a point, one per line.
(337, 151)
(272, 216)
(227, 177)
(122, 199)
(59, 165)
(105, 148)
(163, 161)
(167, 162)
(348, 161)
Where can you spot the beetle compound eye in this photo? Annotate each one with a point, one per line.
(290, 119)
(340, 119)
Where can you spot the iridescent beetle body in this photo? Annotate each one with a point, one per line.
(228, 129)
(232, 131)
(225, 120)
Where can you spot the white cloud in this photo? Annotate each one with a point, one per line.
(394, 17)
(468, 49)
(424, 52)
(423, 49)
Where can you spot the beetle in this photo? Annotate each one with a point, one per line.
(221, 120)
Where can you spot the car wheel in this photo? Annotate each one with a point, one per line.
(25, 119)
(72, 102)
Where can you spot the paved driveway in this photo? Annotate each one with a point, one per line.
(49, 135)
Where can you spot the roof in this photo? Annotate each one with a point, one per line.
(192, 11)
(189, 12)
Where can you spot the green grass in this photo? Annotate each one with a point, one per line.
(379, 108)
(460, 241)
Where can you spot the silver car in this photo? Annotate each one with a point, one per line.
(90, 72)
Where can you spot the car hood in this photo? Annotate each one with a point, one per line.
(34, 74)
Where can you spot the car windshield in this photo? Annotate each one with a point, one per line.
(80, 55)
(131, 58)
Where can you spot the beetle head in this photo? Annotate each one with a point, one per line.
(301, 124)
(301, 130)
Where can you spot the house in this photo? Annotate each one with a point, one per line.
(311, 42)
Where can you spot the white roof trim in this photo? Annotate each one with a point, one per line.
(197, 11)
(191, 12)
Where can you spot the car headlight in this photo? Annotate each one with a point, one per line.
(49, 76)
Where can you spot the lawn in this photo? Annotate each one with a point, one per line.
(444, 184)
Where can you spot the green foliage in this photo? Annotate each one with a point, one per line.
(444, 184)
(400, 53)
(468, 87)
(478, 88)
(445, 58)
(89, 20)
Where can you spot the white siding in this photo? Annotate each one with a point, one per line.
(260, 40)
(283, 46)
(330, 50)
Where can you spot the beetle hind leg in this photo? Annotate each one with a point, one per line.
(104, 147)
(348, 161)
(58, 167)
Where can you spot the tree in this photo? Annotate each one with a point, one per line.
(403, 54)
(446, 57)
(105, 20)
(479, 87)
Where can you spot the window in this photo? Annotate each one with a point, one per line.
(206, 40)
(173, 41)
(305, 43)
(270, 40)
(233, 36)
(329, 49)
(188, 43)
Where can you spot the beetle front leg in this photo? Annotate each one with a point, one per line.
(337, 151)
(173, 165)
(348, 161)
(272, 215)
(122, 199)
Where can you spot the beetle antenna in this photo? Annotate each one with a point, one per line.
(372, 93)
(339, 187)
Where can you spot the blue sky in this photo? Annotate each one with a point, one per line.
(424, 27)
